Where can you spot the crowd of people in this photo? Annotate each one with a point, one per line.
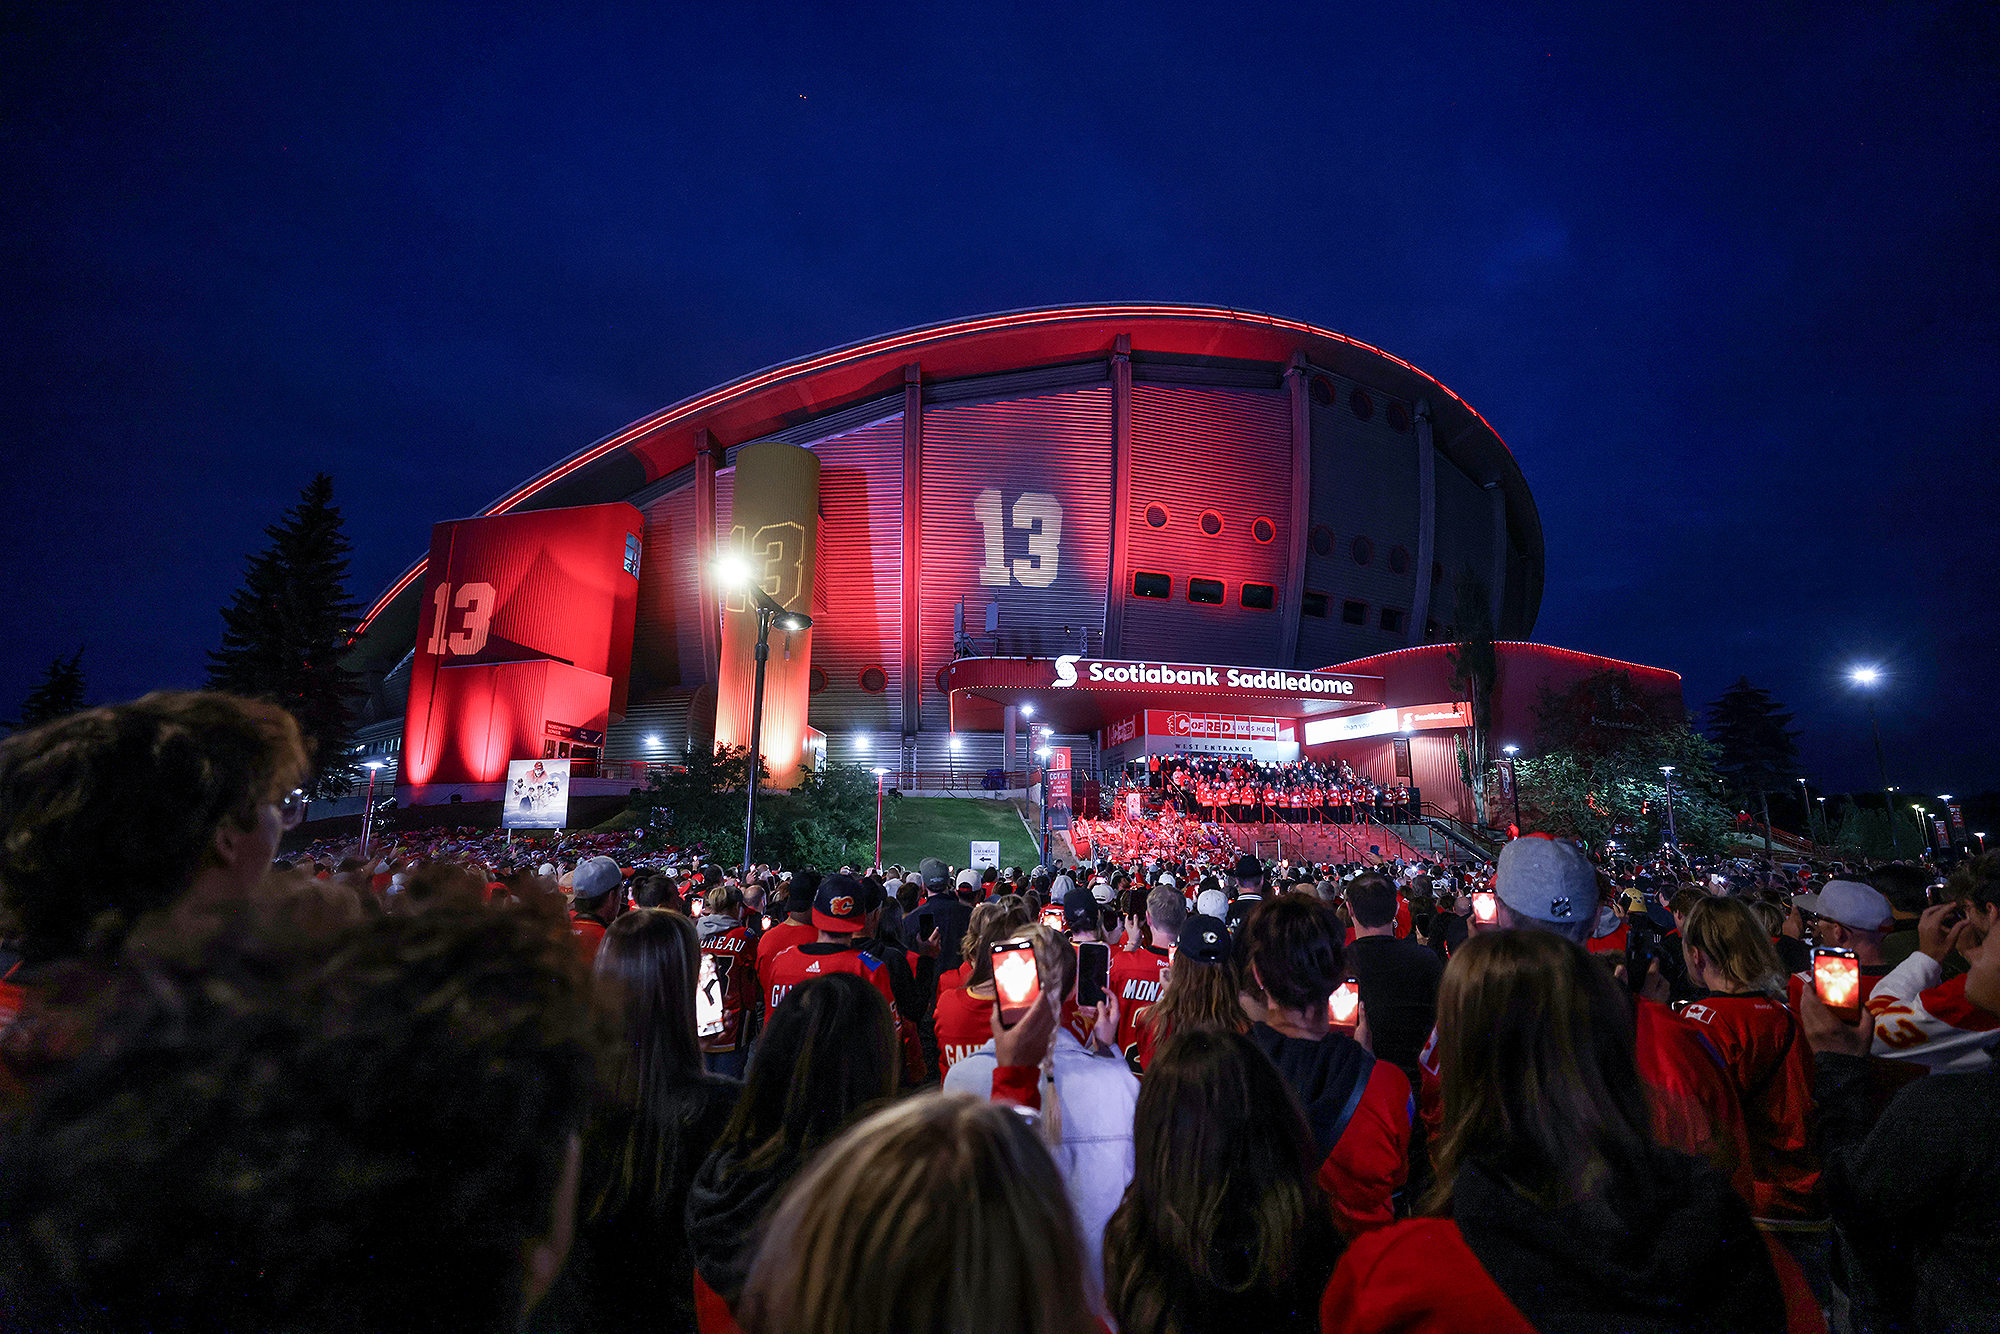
(1281, 792)
(446, 1086)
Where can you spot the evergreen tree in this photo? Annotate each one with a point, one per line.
(59, 694)
(1474, 669)
(285, 631)
(1757, 748)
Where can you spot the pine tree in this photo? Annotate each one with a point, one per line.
(1758, 750)
(59, 694)
(285, 631)
(1474, 669)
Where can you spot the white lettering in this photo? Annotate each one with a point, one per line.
(1066, 669)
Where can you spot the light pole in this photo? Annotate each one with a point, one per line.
(951, 748)
(1825, 829)
(734, 571)
(1923, 823)
(1867, 678)
(1982, 839)
(1805, 806)
(878, 817)
(368, 809)
(1668, 771)
(1043, 755)
(1513, 780)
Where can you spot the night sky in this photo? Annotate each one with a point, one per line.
(1728, 291)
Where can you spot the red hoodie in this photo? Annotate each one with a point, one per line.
(1771, 1065)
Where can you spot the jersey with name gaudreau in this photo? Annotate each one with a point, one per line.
(802, 963)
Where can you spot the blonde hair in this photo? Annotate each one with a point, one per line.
(994, 919)
(1737, 947)
(1055, 962)
(941, 1214)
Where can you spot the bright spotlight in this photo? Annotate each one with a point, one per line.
(956, 743)
(860, 741)
(653, 740)
(1027, 710)
(1510, 749)
(732, 571)
(1043, 753)
(878, 772)
(1865, 676)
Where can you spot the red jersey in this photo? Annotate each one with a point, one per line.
(802, 963)
(734, 952)
(1769, 1062)
(1138, 978)
(963, 1023)
(589, 933)
(1370, 1162)
(781, 938)
(1402, 918)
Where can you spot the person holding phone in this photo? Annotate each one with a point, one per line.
(1087, 1093)
(1851, 917)
(961, 1023)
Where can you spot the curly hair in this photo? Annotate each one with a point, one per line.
(108, 814)
(308, 1134)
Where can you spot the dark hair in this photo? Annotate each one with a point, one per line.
(307, 1134)
(1906, 887)
(1541, 1089)
(108, 814)
(1977, 881)
(1294, 944)
(1372, 900)
(828, 1052)
(1224, 1220)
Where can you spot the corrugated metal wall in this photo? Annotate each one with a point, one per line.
(666, 641)
(1464, 537)
(1364, 484)
(1197, 450)
(1056, 446)
(860, 553)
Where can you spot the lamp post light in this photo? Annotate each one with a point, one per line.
(878, 817)
(1043, 755)
(1668, 771)
(1923, 823)
(952, 749)
(1982, 839)
(734, 571)
(1510, 750)
(1866, 679)
(368, 808)
(1805, 804)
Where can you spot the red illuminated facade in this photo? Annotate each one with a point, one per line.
(1114, 484)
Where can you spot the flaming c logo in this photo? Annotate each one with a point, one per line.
(840, 906)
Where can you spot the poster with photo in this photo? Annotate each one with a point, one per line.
(537, 795)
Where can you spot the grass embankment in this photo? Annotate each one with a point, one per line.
(945, 827)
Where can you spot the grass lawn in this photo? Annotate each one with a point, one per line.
(944, 827)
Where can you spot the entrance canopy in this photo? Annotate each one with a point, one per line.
(1076, 694)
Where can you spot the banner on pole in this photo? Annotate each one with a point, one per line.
(537, 795)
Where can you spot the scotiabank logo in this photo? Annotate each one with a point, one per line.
(1066, 670)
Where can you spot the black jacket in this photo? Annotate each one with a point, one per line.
(951, 917)
(725, 1213)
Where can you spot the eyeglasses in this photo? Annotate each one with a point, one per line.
(291, 808)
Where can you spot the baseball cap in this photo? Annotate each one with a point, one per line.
(1211, 903)
(968, 879)
(1848, 902)
(1167, 879)
(1101, 891)
(1060, 887)
(934, 873)
(596, 877)
(799, 895)
(1204, 938)
(1547, 880)
(1249, 868)
(1076, 904)
(837, 906)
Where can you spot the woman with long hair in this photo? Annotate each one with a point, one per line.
(1553, 1207)
(940, 1215)
(1224, 1224)
(631, 1268)
(1743, 1016)
(1202, 990)
(962, 1020)
(828, 1053)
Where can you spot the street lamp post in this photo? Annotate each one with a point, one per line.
(1668, 771)
(1867, 678)
(878, 817)
(735, 571)
(1042, 754)
(1923, 823)
(1513, 780)
(368, 809)
(1805, 806)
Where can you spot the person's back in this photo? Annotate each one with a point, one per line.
(1398, 977)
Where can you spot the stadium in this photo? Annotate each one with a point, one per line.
(1150, 529)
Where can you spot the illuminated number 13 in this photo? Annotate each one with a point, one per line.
(476, 601)
(1041, 516)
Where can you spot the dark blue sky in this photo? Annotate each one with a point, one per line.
(1726, 283)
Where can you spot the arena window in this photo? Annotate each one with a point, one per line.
(1262, 597)
(1211, 523)
(1322, 391)
(1399, 560)
(815, 681)
(1354, 613)
(1156, 516)
(1363, 551)
(1147, 584)
(1392, 619)
(1208, 592)
(1263, 529)
(1362, 405)
(1397, 416)
(1322, 540)
(1313, 604)
(874, 680)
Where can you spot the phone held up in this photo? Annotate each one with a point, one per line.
(1344, 1005)
(1485, 907)
(1016, 982)
(1640, 939)
(1093, 972)
(926, 923)
(1837, 981)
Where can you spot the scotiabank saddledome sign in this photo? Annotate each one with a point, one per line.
(1075, 672)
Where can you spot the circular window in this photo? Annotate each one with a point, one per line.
(1399, 559)
(1211, 523)
(874, 680)
(815, 681)
(1263, 530)
(1322, 540)
(1397, 416)
(1156, 516)
(1363, 549)
(1437, 572)
(944, 680)
(1363, 406)
(1322, 391)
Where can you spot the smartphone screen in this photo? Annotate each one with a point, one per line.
(1346, 999)
(926, 923)
(1485, 907)
(1093, 972)
(708, 997)
(1052, 917)
(1015, 979)
(1837, 979)
(1638, 951)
